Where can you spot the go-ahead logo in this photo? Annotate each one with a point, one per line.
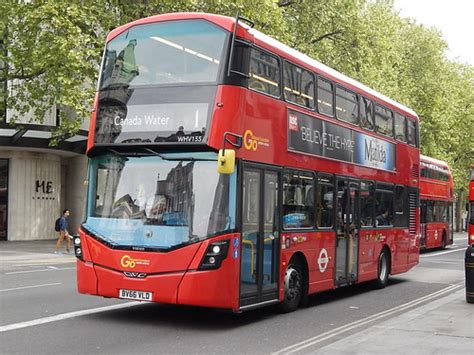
(251, 142)
(128, 261)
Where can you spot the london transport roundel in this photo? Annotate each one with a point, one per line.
(323, 260)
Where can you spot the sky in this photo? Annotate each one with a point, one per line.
(454, 18)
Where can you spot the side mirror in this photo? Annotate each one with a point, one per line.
(226, 161)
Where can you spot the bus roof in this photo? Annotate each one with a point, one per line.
(325, 69)
(228, 24)
(427, 159)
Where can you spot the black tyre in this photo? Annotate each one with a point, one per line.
(443, 241)
(293, 283)
(383, 269)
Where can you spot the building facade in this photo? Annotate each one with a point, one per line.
(37, 182)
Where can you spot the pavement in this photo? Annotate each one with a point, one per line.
(36, 252)
(444, 325)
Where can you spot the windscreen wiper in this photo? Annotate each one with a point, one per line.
(140, 152)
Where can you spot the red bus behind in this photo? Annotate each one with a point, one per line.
(436, 198)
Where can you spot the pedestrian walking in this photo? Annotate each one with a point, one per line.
(62, 227)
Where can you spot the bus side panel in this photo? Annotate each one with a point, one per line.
(400, 247)
(399, 243)
(213, 288)
(434, 234)
(321, 261)
(318, 248)
(86, 278)
(369, 249)
(371, 244)
(164, 287)
(414, 243)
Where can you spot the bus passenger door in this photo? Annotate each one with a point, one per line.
(347, 224)
(260, 236)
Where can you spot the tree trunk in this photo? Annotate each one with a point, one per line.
(460, 203)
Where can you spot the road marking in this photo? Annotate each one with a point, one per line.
(458, 262)
(26, 287)
(442, 253)
(345, 328)
(41, 270)
(63, 316)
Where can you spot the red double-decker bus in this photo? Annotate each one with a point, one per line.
(315, 186)
(470, 222)
(436, 201)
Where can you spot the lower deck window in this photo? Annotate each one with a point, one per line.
(298, 200)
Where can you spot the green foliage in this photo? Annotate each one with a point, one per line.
(54, 50)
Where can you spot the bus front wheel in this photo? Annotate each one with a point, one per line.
(383, 268)
(293, 287)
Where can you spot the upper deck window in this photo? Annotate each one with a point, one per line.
(366, 113)
(325, 97)
(433, 171)
(383, 120)
(264, 72)
(347, 108)
(299, 85)
(174, 52)
(400, 128)
(411, 132)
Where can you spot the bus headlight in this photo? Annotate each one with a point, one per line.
(77, 247)
(216, 252)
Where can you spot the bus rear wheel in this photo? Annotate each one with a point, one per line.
(383, 268)
(293, 287)
(443, 241)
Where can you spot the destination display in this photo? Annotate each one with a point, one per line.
(313, 136)
(153, 115)
(152, 123)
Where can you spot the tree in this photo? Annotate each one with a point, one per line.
(53, 50)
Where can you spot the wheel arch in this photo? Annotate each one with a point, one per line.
(301, 259)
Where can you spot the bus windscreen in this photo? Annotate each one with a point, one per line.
(164, 53)
(159, 202)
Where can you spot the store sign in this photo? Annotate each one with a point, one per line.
(313, 136)
(44, 190)
(45, 187)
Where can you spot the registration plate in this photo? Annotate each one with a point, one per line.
(135, 295)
